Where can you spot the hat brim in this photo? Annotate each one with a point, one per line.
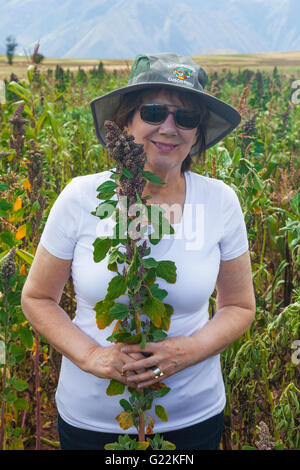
(222, 120)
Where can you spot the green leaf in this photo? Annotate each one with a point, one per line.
(161, 412)
(125, 405)
(4, 205)
(118, 336)
(21, 404)
(115, 388)
(28, 257)
(127, 173)
(150, 263)
(102, 308)
(157, 292)
(133, 339)
(295, 203)
(166, 319)
(151, 177)
(143, 341)
(101, 247)
(116, 287)
(106, 190)
(154, 309)
(119, 311)
(142, 445)
(19, 90)
(159, 335)
(20, 385)
(26, 337)
(167, 271)
(17, 352)
(4, 187)
(161, 392)
(166, 445)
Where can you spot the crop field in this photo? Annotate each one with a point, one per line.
(47, 138)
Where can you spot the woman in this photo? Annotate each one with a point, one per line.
(164, 106)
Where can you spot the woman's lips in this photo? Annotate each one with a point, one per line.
(164, 147)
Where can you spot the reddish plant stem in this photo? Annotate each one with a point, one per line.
(37, 393)
(24, 414)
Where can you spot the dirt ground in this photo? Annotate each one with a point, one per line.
(285, 61)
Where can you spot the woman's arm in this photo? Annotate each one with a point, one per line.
(40, 303)
(235, 313)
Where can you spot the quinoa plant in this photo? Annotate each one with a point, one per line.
(146, 317)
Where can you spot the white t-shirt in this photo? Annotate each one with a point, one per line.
(212, 228)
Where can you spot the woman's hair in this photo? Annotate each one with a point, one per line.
(131, 101)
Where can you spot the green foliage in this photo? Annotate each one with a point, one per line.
(260, 160)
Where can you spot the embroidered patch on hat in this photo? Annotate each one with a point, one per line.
(182, 73)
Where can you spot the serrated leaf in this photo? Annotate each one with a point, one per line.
(157, 292)
(116, 287)
(102, 308)
(154, 309)
(167, 270)
(119, 311)
(161, 412)
(125, 420)
(115, 388)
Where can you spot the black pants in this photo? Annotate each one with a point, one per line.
(202, 436)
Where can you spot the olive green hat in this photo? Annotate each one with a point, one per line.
(175, 72)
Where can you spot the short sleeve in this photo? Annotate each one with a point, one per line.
(234, 241)
(60, 232)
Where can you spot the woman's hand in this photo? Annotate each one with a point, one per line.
(170, 355)
(109, 362)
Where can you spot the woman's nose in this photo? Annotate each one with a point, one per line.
(168, 126)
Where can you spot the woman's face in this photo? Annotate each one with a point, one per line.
(166, 145)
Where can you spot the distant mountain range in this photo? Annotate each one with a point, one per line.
(124, 28)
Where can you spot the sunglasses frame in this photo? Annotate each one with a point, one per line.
(174, 113)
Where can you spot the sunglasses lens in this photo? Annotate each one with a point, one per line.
(153, 113)
(187, 118)
(157, 113)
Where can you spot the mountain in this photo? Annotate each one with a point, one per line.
(124, 28)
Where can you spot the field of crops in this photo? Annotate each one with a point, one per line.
(47, 137)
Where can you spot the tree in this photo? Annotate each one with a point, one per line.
(10, 48)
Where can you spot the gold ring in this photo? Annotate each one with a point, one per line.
(157, 373)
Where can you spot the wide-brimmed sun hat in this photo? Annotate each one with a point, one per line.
(174, 72)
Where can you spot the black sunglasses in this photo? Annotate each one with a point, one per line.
(156, 113)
